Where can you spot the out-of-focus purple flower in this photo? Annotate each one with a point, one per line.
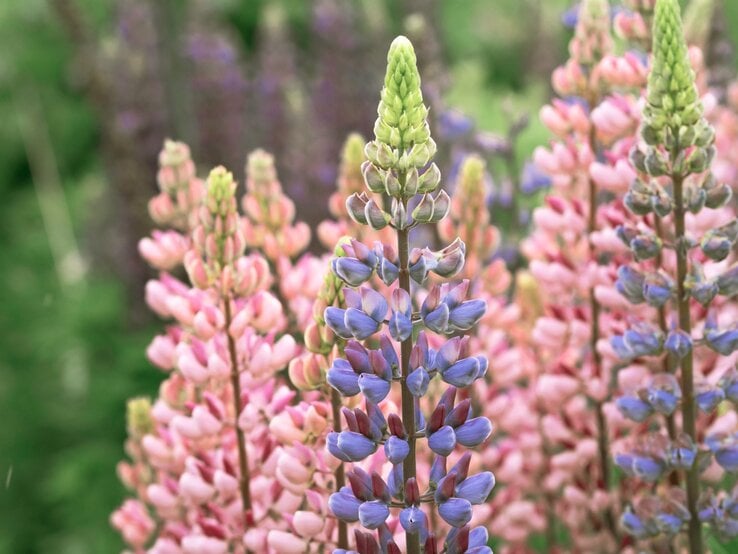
(533, 179)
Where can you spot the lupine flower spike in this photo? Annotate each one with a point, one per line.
(399, 165)
(675, 157)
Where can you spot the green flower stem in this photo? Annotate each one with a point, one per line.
(412, 540)
(243, 461)
(687, 363)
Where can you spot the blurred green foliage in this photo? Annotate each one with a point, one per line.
(68, 356)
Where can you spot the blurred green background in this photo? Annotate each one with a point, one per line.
(72, 338)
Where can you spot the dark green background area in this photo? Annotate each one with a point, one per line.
(69, 356)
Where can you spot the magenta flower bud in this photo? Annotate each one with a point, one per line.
(344, 505)
(477, 488)
(396, 449)
(458, 415)
(373, 514)
(379, 487)
(457, 512)
(474, 432)
(355, 446)
(394, 423)
(361, 484)
(343, 378)
(374, 388)
(442, 441)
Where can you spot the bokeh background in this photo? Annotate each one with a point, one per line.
(88, 91)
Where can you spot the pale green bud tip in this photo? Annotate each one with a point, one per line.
(402, 115)
(672, 93)
(472, 171)
(221, 185)
(260, 166)
(338, 251)
(174, 153)
(353, 150)
(138, 416)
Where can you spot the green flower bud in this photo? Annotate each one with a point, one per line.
(672, 98)
(138, 417)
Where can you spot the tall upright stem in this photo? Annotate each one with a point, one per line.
(687, 363)
(408, 401)
(243, 461)
(603, 446)
(667, 364)
(340, 473)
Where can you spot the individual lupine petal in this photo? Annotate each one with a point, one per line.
(729, 384)
(373, 514)
(400, 323)
(374, 388)
(462, 374)
(356, 206)
(648, 468)
(342, 377)
(438, 469)
(442, 441)
(335, 319)
(474, 432)
(708, 397)
(634, 408)
(715, 246)
(375, 216)
(678, 343)
(352, 271)
(331, 443)
(373, 177)
(395, 481)
(664, 393)
(682, 453)
(630, 284)
(637, 526)
(657, 289)
(645, 247)
(479, 536)
(387, 271)
(668, 524)
(727, 283)
(438, 319)
(414, 520)
(457, 512)
(476, 488)
(466, 315)
(451, 259)
(723, 342)
(417, 382)
(420, 263)
(725, 449)
(360, 324)
(344, 505)
(355, 446)
(643, 340)
(396, 449)
(373, 304)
